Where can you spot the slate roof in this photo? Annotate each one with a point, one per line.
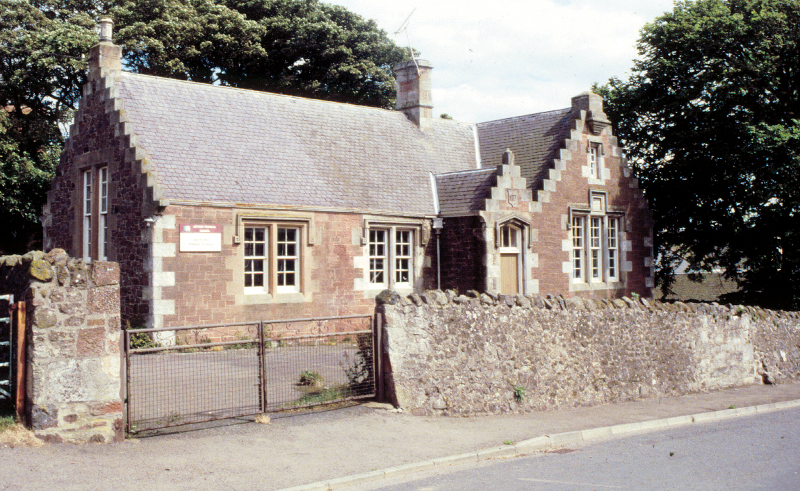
(464, 191)
(211, 143)
(535, 140)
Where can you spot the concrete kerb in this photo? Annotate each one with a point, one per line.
(546, 442)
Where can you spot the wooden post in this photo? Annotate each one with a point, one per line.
(20, 347)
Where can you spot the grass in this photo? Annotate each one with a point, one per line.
(13, 434)
(325, 395)
(319, 397)
(6, 422)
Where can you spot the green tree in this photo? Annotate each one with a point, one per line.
(191, 40)
(710, 118)
(41, 72)
(297, 47)
(317, 50)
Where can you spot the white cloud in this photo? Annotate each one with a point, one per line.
(511, 57)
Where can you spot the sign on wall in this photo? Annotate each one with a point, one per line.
(200, 238)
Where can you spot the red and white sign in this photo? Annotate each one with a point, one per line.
(200, 238)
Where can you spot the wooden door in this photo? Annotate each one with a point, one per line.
(509, 274)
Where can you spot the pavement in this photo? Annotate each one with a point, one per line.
(360, 445)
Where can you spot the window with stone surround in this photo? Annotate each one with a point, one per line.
(272, 258)
(594, 237)
(391, 257)
(595, 152)
(94, 211)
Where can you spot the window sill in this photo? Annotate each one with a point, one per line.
(583, 287)
(266, 298)
(373, 290)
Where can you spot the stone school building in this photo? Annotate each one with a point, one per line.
(229, 205)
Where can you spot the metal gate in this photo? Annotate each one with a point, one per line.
(194, 374)
(12, 354)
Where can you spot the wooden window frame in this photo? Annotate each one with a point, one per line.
(87, 200)
(275, 256)
(594, 152)
(612, 247)
(102, 227)
(94, 213)
(578, 237)
(595, 247)
(390, 259)
(403, 257)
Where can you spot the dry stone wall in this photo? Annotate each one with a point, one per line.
(476, 353)
(73, 355)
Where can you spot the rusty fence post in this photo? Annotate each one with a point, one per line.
(127, 353)
(19, 372)
(378, 355)
(262, 368)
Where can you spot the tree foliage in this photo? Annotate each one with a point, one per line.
(41, 72)
(297, 47)
(710, 118)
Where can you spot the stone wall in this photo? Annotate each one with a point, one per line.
(463, 254)
(473, 354)
(73, 355)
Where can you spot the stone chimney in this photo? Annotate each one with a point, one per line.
(414, 91)
(593, 105)
(105, 55)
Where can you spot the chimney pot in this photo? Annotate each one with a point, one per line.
(106, 29)
(104, 57)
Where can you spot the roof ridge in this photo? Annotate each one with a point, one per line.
(543, 113)
(467, 171)
(254, 91)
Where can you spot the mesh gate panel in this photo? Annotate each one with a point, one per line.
(194, 374)
(315, 371)
(170, 388)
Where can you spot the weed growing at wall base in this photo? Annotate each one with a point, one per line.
(519, 393)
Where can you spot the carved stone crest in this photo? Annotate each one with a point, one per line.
(513, 196)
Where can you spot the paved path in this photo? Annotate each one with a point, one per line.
(318, 448)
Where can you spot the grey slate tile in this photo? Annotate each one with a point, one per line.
(215, 143)
(535, 140)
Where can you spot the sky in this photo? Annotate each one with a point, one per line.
(502, 58)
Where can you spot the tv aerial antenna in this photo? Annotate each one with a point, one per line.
(404, 28)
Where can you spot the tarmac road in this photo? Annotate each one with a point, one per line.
(742, 454)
